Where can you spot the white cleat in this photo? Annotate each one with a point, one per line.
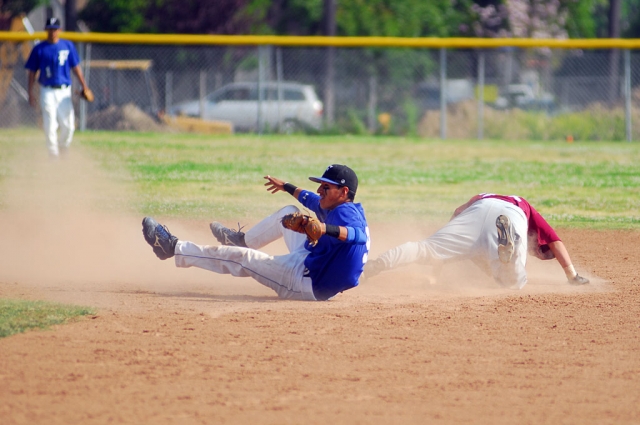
(506, 238)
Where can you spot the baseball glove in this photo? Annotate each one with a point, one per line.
(304, 224)
(87, 95)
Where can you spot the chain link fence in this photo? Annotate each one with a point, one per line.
(498, 93)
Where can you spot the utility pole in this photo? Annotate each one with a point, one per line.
(70, 15)
(614, 56)
(329, 89)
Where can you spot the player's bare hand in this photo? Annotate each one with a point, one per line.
(32, 100)
(273, 184)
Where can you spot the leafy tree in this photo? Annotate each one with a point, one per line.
(15, 7)
(534, 18)
(630, 24)
(200, 17)
(12, 8)
(115, 15)
(172, 16)
(402, 18)
(408, 18)
(399, 18)
(582, 20)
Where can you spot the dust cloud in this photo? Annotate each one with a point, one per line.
(64, 231)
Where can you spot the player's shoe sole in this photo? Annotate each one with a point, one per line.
(506, 238)
(159, 237)
(227, 236)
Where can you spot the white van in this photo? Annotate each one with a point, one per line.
(298, 107)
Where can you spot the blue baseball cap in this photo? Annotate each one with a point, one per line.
(52, 24)
(340, 175)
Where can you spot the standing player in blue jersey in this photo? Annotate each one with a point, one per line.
(308, 271)
(54, 59)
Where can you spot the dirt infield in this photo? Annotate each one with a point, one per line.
(187, 346)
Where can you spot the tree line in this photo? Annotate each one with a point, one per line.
(393, 18)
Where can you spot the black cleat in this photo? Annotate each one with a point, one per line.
(227, 236)
(578, 280)
(159, 237)
(373, 268)
(506, 238)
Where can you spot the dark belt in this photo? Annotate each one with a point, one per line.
(63, 86)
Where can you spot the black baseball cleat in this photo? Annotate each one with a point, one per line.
(578, 280)
(159, 237)
(506, 238)
(227, 236)
(373, 268)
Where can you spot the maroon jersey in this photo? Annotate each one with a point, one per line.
(539, 230)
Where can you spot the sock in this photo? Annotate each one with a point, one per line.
(570, 272)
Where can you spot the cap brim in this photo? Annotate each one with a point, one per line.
(51, 27)
(324, 180)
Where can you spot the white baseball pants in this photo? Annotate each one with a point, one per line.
(282, 273)
(57, 110)
(472, 235)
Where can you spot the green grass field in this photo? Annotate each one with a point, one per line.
(587, 184)
(17, 316)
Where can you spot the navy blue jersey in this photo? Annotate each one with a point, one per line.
(54, 61)
(335, 265)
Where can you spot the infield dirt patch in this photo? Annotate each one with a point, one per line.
(188, 346)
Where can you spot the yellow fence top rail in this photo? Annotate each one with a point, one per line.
(141, 64)
(318, 41)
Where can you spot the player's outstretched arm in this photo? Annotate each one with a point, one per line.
(275, 185)
(562, 255)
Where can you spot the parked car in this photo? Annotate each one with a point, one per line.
(523, 96)
(298, 108)
(457, 90)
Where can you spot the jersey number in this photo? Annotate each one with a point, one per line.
(365, 257)
(62, 56)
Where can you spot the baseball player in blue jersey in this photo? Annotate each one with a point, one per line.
(54, 59)
(310, 271)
